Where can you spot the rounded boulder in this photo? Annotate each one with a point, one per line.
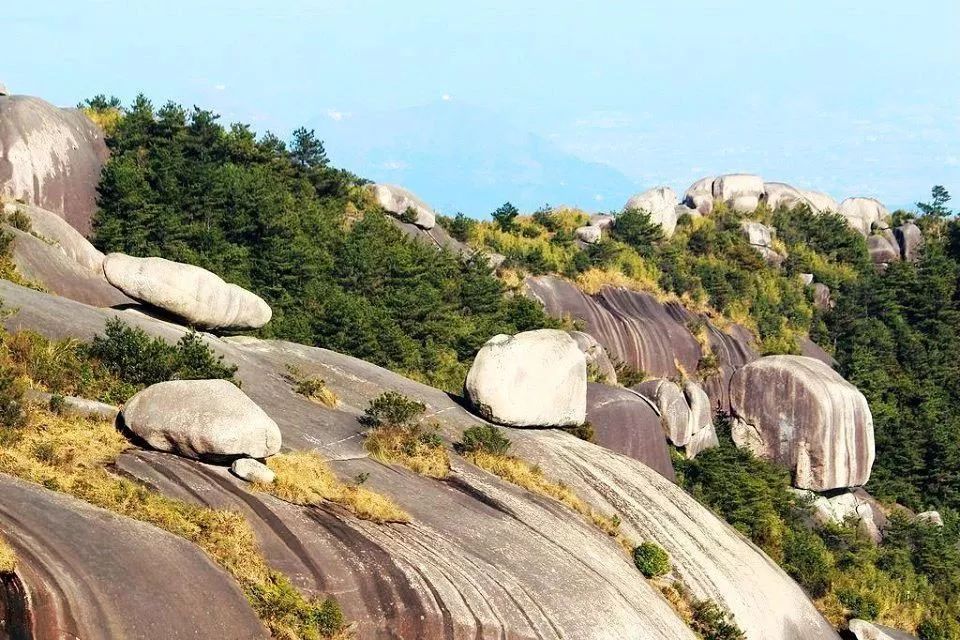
(398, 201)
(863, 213)
(661, 203)
(198, 296)
(531, 379)
(802, 414)
(202, 419)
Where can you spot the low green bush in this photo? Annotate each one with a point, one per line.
(392, 409)
(485, 438)
(651, 559)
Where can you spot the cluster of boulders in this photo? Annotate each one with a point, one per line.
(208, 420)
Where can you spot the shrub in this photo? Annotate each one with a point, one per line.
(20, 220)
(409, 215)
(628, 375)
(311, 387)
(392, 409)
(713, 623)
(57, 404)
(13, 411)
(8, 559)
(651, 559)
(583, 431)
(416, 448)
(634, 228)
(484, 438)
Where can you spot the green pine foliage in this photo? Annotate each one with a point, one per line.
(275, 220)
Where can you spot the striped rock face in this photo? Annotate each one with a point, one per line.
(800, 413)
(50, 157)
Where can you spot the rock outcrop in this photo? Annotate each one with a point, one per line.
(760, 237)
(400, 203)
(883, 248)
(821, 296)
(863, 630)
(779, 194)
(800, 413)
(910, 239)
(819, 201)
(598, 361)
(252, 471)
(588, 234)
(202, 419)
(626, 422)
(932, 518)
(531, 379)
(661, 203)
(740, 191)
(685, 413)
(700, 196)
(863, 214)
(50, 157)
(441, 239)
(602, 220)
(198, 296)
(854, 506)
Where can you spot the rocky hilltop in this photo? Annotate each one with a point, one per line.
(543, 542)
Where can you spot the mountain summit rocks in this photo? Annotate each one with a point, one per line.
(198, 296)
(398, 202)
(531, 379)
(800, 413)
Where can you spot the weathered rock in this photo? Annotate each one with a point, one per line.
(779, 194)
(685, 413)
(800, 413)
(700, 195)
(740, 191)
(821, 296)
(441, 239)
(397, 200)
(74, 406)
(202, 419)
(88, 573)
(531, 379)
(850, 506)
(588, 234)
(882, 250)
(198, 296)
(863, 630)
(930, 517)
(598, 361)
(806, 278)
(3, 89)
(626, 422)
(602, 220)
(661, 204)
(910, 239)
(56, 231)
(50, 157)
(252, 471)
(863, 214)
(760, 237)
(819, 201)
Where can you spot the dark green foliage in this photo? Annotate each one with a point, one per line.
(57, 404)
(392, 409)
(458, 226)
(485, 438)
(628, 376)
(100, 102)
(271, 219)
(505, 215)
(939, 197)
(20, 220)
(583, 431)
(635, 229)
(409, 215)
(140, 360)
(651, 559)
(713, 623)
(13, 411)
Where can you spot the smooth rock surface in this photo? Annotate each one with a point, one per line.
(252, 471)
(597, 359)
(779, 194)
(821, 296)
(863, 214)
(588, 234)
(531, 379)
(50, 157)
(602, 220)
(56, 231)
(198, 296)
(685, 413)
(74, 406)
(203, 419)
(910, 239)
(820, 202)
(396, 200)
(882, 250)
(930, 517)
(863, 630)
(800, 413)
(699, 195)
(626, 422)
(661, 204)
(740, 191)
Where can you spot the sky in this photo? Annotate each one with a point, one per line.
(473, 104)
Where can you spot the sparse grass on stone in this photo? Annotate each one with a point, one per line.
(8, 559)
(312, 387)
(305, 478)
(413, 447)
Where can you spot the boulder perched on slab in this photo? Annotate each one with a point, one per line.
(50, 157)
(198, 296)
(802, 414)
(685, 413)
(740, 191)
(700, 195)
(531, 379)
(400, 203)
(252, 471)
(661, 203)
(863, 214)
(202, 419)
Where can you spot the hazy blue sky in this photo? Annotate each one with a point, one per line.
(473, 104)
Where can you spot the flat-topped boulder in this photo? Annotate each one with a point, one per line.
(531, 379)
(198, 296)
(201, 419)
(685, 413)
(740, 191)
(802, 414)
(863, 214)
(50, 157)
(403, 204)
(661, 203)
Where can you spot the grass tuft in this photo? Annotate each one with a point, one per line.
(8, 559)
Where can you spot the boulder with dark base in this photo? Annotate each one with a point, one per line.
(800, 413)
(202, 419)
(50, 157)
(910, 239)
(198, 296)
(531, 379)
(864, 214)
(401, 203)
(700, 195)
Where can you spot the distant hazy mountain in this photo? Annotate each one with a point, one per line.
(461, 158)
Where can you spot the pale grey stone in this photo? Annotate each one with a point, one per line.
(252, 471)
(397, 200)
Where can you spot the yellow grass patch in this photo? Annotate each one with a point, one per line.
(405, 446)
(8, 559)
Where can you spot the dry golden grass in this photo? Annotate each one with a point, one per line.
(313, 388)
(405, 446)
(69, 455)
(305, 478)
(8, 559)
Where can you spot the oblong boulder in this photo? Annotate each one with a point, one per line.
(685, 413)
(699, 195)
(202, 419)
(821, 202)
(397, 201)
(863, 213)
(531, 379)
(198, 296)
(661, 203)
(800, 413)
(740, 191)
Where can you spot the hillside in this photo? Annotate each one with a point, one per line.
(726, 414)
